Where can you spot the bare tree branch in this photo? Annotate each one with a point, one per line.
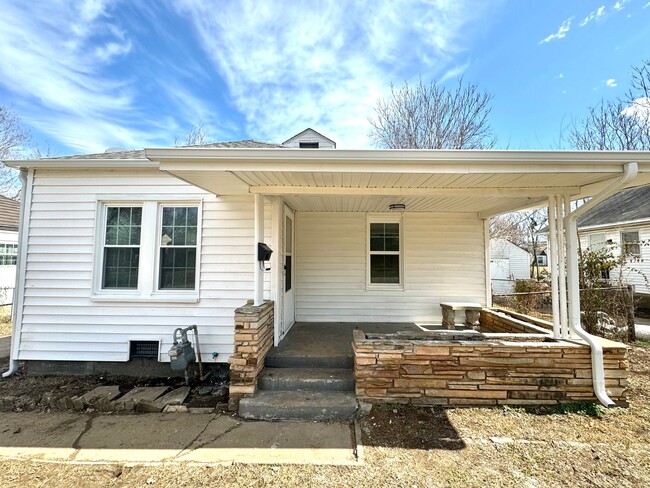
(433, 117)
(13, 137)
(196, 136)
(619, 125)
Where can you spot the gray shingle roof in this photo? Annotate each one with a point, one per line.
(139, 153)
(625, 206)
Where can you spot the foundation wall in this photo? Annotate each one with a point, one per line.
(253, 340)
(470, 373)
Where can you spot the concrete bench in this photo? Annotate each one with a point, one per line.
(472, 313)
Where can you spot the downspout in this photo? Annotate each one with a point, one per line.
(597, 367)
(13, 363)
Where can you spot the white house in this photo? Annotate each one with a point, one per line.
(508, 262)
(622, 223)
(9, 210)
(123, 247)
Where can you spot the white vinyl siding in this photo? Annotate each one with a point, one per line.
(637, 270)
(62, 322)
(508, 262)
(444, 260)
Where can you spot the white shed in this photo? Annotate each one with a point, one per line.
(508, 262)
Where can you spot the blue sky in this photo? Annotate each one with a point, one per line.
(92, 74)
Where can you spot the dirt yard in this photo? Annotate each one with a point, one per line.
(431, 447)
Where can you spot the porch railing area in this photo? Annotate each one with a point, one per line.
(510, 362)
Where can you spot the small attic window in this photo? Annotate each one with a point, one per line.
(309, 145)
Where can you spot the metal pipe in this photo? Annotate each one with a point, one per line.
(597, 367)
(198, 351)
(553, 257)
(13, 362)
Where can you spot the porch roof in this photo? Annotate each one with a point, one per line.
(483, 182)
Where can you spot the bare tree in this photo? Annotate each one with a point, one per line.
(196, 136)
(433, 117)
(13, 137)
(622, 124)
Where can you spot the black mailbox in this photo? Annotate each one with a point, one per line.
(263, 252)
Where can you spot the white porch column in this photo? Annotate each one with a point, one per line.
(258, 237)
(553, 256)
(562, 270)
(573, 280)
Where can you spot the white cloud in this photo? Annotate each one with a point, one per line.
(560, 34)
(560, 76)
(324, 65)
(593, 15)
(646, 5)
(639, 109)
(611, 82)
(57, 57)
(620, 4)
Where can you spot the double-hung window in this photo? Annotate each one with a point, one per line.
(122, 247)
(385, 252)
(149, 251)
(178, 240)
(630, 244)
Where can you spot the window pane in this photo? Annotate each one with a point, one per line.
(384, 268)
(121, 267)
(597, 242)
(136, 216)
(384, 237)
(288, 235)
(177, 268)
(111, 215)
(168, 216)
(630, 243)
(192, 216)
(180, 216)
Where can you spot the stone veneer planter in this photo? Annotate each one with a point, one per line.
(253, 340)
(391, 369)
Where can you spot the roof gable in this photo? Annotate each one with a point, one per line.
(310, 134)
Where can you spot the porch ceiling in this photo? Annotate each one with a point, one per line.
(483, 182)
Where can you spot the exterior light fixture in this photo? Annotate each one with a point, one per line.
(397, 206)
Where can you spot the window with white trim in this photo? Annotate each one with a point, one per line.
(8, 254)
(384, 252)
(630, 244)
(121, 247)
(177, 268)
(149, 251)
(597, 242)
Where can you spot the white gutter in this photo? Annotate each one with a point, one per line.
(16, 313)
(597, 367)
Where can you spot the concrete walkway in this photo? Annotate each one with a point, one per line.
(172, 438)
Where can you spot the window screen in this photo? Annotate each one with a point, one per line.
(178, 242)
(384, 253)
(122, 247)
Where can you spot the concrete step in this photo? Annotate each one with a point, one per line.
(274, 360)
(312, 379)
(299, 405)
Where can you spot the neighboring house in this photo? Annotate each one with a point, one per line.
(121, 248)
(9, 216)
(508, 262)
(622, 223)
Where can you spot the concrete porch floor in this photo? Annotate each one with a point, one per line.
(327, 340)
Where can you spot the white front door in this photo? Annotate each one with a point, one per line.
(289, 272)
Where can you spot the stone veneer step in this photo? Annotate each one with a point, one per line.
(311, 379)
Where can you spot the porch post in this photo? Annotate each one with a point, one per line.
(553, 257)
(573, 281)
(258, 237)
(562, 252)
